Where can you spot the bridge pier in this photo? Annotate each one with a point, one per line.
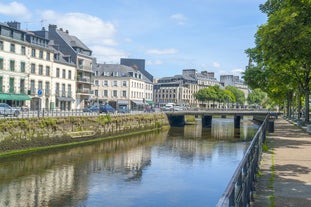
(176, 120)
(207, 121)
(237, 122)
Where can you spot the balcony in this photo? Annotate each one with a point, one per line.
(85, 68)
(84, 91)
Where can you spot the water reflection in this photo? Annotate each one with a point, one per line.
(183, 166)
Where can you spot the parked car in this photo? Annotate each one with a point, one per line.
(124, 110)
(93, 108)
(7, 110)
(106, 109)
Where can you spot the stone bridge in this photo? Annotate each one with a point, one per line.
(177, 118)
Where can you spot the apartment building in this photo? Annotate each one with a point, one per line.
(75, 51)
(121, 86)
(28, 71)
(179, 89)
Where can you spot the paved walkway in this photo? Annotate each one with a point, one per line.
(285, 179)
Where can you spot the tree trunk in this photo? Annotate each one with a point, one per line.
(307, 93)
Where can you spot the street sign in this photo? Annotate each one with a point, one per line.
(39, 92)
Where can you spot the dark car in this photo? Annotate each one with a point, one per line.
(93, 108)
(106, 109)
(124, 110)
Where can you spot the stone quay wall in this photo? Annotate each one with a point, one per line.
(20, 134)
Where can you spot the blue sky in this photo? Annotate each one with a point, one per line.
(171, 35)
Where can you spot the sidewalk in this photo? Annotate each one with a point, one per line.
(285, 179)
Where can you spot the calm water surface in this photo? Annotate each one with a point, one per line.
(179, 167)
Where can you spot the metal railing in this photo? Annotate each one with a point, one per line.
(239, 191)
(18, 112)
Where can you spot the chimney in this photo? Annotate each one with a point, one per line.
(15, 25)
(52, 27)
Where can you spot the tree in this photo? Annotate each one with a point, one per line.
(283, 48)
(239, 95)
(257, 97)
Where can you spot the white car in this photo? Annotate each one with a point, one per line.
(7, 110)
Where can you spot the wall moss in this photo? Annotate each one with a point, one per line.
(19, 134)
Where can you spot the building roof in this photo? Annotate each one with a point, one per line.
(122, 70)
(71, 40)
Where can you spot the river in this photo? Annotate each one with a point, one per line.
(183, 167)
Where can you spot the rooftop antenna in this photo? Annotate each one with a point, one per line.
(41, 21)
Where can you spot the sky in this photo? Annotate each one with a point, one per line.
(171, 35)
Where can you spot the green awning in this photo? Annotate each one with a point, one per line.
(150, 102)
(4, 96)
(14, 97)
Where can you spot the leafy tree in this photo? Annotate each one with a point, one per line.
(257, 96)
(239, 95)
(283, 50)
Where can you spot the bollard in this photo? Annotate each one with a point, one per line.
(271, 126)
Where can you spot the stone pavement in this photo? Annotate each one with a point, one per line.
(285, 169)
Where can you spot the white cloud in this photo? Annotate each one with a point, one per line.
(154, 62)
(169, 51)
(15, 9)
(179, 18)
(216, 64)
(97, 34)
(90, 29)
(107, 54)
(237, 71)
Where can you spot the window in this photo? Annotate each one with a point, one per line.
(69, 90)
(40, 84)
(48, 56)
(32, 87)
(115, 83)
(64, 73)
(69, 74)
(41, 54)
(33, 52)
(96, 73)
(1, 63)
(124, 94)
(1, 84)
(12, 65)
(124, 83)
(40, 69)
(47, 88)
(22, 67)
(57, 89)
(47, 70)
(11, 90)
(1, 45)
(115, 93)
(96, 93)
(23, 50)
(106, 83)
(33, 68)
(12, 47)
(63, 90)
(57, 72)
(105, 93)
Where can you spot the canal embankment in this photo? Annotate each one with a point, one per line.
(27, 134)
(285, 171)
